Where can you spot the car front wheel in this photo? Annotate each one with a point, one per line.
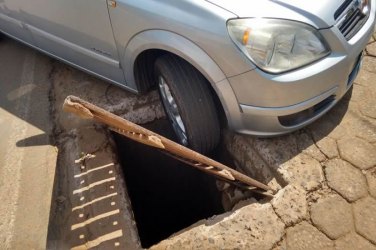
(188, 103)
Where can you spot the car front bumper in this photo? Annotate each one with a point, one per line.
(270, 105)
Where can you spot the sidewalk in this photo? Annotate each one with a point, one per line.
(27, 157)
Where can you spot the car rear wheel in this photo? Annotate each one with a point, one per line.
(188, 103)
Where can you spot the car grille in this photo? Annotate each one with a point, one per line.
(350, 18)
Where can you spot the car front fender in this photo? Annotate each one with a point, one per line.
(186, 49)
(175, 44)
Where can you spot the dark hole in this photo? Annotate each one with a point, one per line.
(167, 196)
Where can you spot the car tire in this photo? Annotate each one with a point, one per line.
(188, 103)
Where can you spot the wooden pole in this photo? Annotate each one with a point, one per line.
(137, 133)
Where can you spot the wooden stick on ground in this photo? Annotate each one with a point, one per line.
(137, 133)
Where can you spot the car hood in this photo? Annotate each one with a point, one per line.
(318, 13)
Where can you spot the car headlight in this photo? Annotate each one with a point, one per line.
(275, 45)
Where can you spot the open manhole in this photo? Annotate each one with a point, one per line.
(90, 206)
(166, 195)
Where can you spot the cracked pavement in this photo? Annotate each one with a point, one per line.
(326, 176)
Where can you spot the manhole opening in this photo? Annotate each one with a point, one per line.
(166, 195)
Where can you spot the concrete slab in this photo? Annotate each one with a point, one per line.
(91, 207)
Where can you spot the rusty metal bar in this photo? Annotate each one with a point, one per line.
(137, 133)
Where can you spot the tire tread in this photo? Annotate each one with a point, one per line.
(189, 86)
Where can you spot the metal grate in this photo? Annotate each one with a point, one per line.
(350, 18)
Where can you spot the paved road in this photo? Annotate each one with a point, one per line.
(27, 160)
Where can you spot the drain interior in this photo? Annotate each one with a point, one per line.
(166, 195)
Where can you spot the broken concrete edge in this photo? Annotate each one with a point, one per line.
(81, 151)
(253, 226)
(263, 221)
(123, 194)
(72, 148)
(138, 109)
(289, 207)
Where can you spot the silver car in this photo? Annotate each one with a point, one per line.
(264, 67)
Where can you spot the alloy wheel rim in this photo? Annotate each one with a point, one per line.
(172, 110)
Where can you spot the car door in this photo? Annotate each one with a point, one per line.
(11, 21)
(77, 31)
